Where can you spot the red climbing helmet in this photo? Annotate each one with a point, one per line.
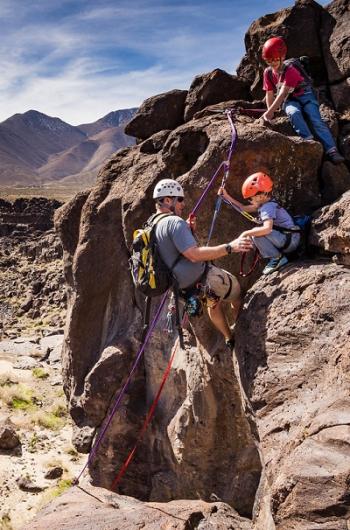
(274, 48)
(256, 183)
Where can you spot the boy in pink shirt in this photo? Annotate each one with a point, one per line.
(286, 86)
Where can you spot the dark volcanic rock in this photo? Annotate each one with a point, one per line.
(31, 275)
(292, 343)
(335, 180)
(214, 87)
(99, 509)
(8, 437)
(336, 40)
(205, 422)
(53, 473)
(27, 214)
(82, 438)
(26, 484)
(331, 228)
(336, 48)
(165, 111)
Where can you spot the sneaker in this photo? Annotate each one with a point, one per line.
(230, 343)
(335, 157)
(274, 264)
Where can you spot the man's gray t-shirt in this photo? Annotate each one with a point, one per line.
(174, 236)
(280, 216)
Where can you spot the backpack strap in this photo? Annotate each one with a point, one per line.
(307, 81)
(155, 218)
(270, 75)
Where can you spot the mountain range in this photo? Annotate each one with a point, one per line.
(37, 149)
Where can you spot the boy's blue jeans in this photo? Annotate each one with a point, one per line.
(269, 246)
(307, 104)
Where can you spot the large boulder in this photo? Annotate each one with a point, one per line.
(331, 229)
(336, 48)
(214, 87)
(200, 429)
(157, 113)
(96, 508)
(292, 345)
(9, 439)
(335, 181)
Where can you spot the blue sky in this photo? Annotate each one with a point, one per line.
(80, 59)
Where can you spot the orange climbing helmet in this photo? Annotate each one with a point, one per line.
(256, 183)
(274, 48)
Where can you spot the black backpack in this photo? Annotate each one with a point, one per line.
(302, 65)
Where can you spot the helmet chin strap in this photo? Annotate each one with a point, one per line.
(173, 204)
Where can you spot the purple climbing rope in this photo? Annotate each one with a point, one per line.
(224, 164)
(123, 390)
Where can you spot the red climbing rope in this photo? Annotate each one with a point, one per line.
(147, 421)
(256, 258)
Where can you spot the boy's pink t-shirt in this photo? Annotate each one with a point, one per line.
(291, 78)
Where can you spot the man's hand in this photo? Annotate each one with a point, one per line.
(241, 244)
(192, 222)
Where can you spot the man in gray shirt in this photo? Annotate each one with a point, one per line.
(180, 252)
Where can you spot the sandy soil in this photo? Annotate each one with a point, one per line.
(63, 193)
(43, 426)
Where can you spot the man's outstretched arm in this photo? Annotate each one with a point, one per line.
(194, 254)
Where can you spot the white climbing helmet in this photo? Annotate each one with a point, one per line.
(168, 188)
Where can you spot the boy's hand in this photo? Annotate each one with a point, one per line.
(268, 115)
(223, 193)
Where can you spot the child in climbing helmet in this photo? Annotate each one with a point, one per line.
(295, 94)
(271, 242)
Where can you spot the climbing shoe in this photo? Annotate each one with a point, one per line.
(274, 264)
(230, 343)
(335, 157)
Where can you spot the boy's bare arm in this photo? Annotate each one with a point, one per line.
(259, 231)
(244, 207)
(285, 90)
(269, 98)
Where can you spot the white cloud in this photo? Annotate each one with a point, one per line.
(60, 69)
(103, 55)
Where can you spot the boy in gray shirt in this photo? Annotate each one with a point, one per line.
(271, 243)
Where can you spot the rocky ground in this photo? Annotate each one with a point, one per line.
(37, 460)
(32, 290)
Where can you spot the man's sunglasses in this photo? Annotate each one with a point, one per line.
(179, 199)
